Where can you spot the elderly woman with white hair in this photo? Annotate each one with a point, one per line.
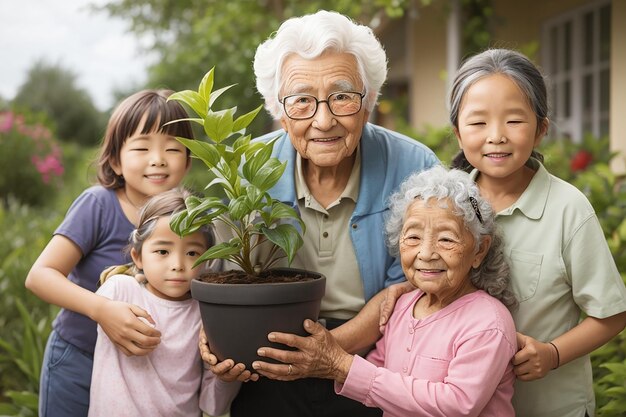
(320, 76)
(447, 347)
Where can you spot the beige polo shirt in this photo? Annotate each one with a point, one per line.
(327, 245)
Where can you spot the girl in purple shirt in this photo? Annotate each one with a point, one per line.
(139, 158)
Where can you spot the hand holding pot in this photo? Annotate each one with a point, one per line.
(226, 370)
(317, 356)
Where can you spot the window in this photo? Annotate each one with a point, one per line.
(576, 59)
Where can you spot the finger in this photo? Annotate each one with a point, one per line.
(521, 370)
(280, 372)
(131, 349)
(285, 356)
(146, 324)
(224, 367)
(208, 357)
(142, 340)
(385, 310)
(202, 339)
(520, 358)
(123, 349)
(521, 340)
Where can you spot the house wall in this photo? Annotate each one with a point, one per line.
(427, 57)
(416, 49)
(617, 126)
(519, 25)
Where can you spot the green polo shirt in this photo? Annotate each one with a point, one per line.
(560, 266)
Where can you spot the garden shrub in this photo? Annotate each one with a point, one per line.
(30, 164)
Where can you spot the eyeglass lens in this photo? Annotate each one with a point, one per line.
(303, 106)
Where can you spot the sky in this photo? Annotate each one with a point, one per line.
(98, 49)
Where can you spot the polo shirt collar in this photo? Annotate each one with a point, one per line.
(532, 202)
(352, 187)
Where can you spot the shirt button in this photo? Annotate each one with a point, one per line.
(408, 348)
(354, 225)
(404, 369)
(325, 234)
(411, 330)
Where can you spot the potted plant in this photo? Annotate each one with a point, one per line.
(237, 317)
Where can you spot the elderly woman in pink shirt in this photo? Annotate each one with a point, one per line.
(447, 348)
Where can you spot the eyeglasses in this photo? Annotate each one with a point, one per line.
(304, 106)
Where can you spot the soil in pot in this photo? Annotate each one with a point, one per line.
(237, 315)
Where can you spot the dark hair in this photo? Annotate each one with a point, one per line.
(161, 205)
(510, 63)
(149, 105)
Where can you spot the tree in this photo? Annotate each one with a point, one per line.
(52, 90)
(191, 36)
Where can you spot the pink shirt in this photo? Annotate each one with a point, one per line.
(171, 380)
(454, 362)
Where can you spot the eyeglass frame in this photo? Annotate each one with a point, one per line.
(317, 104)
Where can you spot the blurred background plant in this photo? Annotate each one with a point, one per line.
(30, 166)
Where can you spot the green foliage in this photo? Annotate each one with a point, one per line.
(244, 172)
(187, 34)
(25, 320)
(52, 90)
(30, 165)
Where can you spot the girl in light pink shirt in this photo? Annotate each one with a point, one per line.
(171, 380)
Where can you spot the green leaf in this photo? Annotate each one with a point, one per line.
(24, 398)
(255, 161)
(286, 237)
(283, 211)
(197, 120)
(219, 125)
(219, 251)
(191, 98)
(268, 175)
(253, 148)
(243, 121)
(206, 152)
(254, 196)
(215, 94)
(206, 85)
(239, 207)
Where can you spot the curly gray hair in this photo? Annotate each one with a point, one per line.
(310, 36)
(455, 186)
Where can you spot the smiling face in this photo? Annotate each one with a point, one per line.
(167, 261)
(325, 140)
(497, 128)
(437, 251)
(150, 164)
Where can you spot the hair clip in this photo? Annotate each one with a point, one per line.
(474, 204)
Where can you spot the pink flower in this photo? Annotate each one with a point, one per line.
(6, 121)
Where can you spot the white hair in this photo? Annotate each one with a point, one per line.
(455, 187)
(309, 37)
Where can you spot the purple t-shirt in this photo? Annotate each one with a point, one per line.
(96, 223)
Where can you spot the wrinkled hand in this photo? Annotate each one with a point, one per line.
(534, 359)
(392, 294)
(226, 370)
(318, 356)
(129, 327)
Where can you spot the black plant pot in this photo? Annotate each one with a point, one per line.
(238, 317)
